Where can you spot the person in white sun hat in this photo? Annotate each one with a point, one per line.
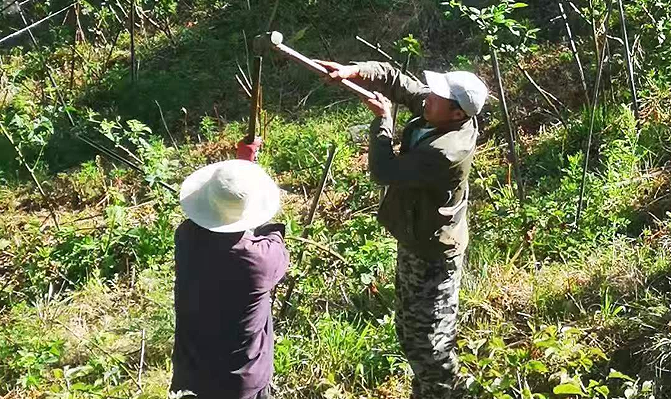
(424, 206)
(227, 260)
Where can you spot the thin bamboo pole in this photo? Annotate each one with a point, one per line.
(630, 66)
(512, 150)
(595, 103)
(574, 50)
(254, 103)
(544, 93)
(133, 70)
(74, 48)
(34, 24)
(311, 215)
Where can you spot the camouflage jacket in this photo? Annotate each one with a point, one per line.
(427, 196)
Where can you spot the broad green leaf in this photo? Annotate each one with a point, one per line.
(603, 390)
(599, 353)
(614, 374)
(537, 366)
(519, 5)
(568, 389)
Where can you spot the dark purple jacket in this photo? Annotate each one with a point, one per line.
(224, 331)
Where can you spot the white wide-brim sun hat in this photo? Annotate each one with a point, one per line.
(230, 196)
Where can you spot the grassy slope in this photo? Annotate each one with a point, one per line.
(76, 302)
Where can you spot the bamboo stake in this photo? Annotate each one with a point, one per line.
(142, 347)
(133, 71)
(318, 245)
(544, 93)
(506, 118)
(109, 55)
(611, 86)
(31, 172)
(383, 54)
(574, 50)
(304, 235)
(246, 82)
(254, 106)
(595, 100)
(11, 3)
(165, 125)
(594, 32)
(74, 47)
(630, 67)
(34, 24)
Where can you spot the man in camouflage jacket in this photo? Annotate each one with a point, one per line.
(425, 204)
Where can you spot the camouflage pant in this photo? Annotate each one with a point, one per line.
(427, 302)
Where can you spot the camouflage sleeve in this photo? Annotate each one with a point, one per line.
(399, 88)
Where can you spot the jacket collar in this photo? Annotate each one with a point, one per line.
(454, 126)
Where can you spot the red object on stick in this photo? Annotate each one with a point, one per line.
(248, 152)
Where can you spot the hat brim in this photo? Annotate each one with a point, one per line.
(262, 206)
(438, 85)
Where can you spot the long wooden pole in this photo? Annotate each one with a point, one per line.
(255, 101)
(574, 50)
(512, 150)
(630, 66)
(308, 223)
(595, 103)
(133, 70)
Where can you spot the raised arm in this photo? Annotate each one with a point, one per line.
(417, 168)
(382, 77)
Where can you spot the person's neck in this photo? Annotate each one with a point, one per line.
(450, 125)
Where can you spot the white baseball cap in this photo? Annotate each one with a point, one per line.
(463, 87)
(229, 196)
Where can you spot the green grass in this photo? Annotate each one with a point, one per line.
(546, 307)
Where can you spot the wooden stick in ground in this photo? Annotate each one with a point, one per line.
(254, 107)
(165, 125)
(595, 103)
(139, 373)
(313, 208)
(595, 36)
(512, 150)
(30, 171)
(318, 245)
(74, 45)
(630, 66)
(133, 77)
(574, 50)
(543, 94)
